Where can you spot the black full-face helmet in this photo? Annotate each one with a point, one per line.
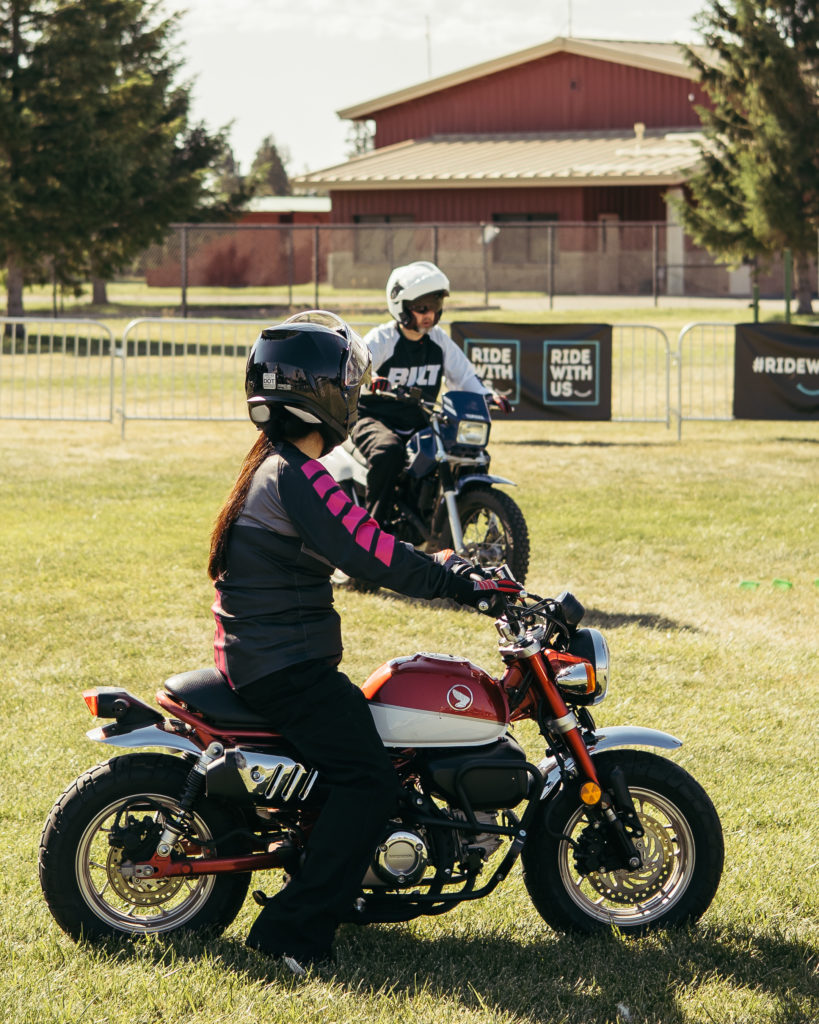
(312, 366)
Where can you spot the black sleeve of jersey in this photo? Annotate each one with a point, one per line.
(343, 533)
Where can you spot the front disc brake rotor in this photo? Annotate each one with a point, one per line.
(627, 887)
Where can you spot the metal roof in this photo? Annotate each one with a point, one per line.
(528, 159)
(664, 58)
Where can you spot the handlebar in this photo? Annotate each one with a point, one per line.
(560, 615)
(403, 393)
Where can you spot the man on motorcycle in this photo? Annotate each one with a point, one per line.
(281, 531)
(408, 351)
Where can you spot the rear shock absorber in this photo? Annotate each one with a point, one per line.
(194, 787)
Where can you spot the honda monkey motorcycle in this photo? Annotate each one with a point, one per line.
(446, 497)
(607, 835)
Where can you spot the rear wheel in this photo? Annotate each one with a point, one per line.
(494, 531)
(681, 849)
(108, 819)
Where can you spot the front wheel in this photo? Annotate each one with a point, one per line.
(111, 817)
(681, 849)
(494, 531)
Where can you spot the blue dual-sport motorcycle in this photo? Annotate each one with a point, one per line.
(446, 496)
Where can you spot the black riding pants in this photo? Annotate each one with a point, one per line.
(384, 451)
(327, 719)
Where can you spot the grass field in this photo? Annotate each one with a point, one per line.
(104, 546)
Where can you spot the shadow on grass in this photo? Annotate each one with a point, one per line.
(523, 443)
(594, 616)
(645, 620)
(663, 977)
(585, 978)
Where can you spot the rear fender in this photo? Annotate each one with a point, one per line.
(607, 739)
(146, 736)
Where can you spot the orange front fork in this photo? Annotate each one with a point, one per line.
(562, 715)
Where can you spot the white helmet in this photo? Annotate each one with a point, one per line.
(415, 281)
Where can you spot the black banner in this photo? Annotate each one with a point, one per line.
(547, 371)
(776, 372)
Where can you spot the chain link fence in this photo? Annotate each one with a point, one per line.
(284, 264)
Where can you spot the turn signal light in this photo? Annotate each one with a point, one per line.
(590, 793)
(91, 698)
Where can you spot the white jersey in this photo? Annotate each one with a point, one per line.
(425, 363)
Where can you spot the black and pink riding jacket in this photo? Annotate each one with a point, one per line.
(274, 602)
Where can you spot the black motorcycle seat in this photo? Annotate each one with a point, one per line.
(207, 691)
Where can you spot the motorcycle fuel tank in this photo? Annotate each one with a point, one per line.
(434, 700)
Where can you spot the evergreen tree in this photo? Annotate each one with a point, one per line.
(360, 138)
(757, 192)
(268, 172)
(97, 153)
(227, 179)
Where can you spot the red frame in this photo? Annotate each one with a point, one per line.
(165, 867)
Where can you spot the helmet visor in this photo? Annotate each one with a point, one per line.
(358, 355)
(358, 360)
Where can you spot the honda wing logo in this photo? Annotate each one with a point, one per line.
(459, 698)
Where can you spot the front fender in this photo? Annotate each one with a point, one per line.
(147, 736)
(482, 478)
(633, 735)
(606, 739)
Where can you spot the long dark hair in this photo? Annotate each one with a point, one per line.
(283, 426)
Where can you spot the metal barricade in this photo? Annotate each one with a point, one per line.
(705, 373)
(193, 369)
(56, 369)
(185, 369)
(640, 374)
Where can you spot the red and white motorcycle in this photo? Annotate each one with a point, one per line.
(607, 835)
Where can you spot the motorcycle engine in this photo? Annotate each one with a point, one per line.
(484, 844)
(400, 860)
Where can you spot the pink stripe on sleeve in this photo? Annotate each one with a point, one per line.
(323, 484)
(354, 517)
(337, 501)
(365, 533)
(311, 468)
(384, 547)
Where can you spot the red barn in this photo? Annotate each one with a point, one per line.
(574, 131)
(553, 129)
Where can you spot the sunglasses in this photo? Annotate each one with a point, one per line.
(427, 307)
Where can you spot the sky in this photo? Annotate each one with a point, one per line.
(284, 67)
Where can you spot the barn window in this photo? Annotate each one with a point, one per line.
(380, 238)
(523, 237)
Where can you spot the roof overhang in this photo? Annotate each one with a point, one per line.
(385, 184)
(529, 160)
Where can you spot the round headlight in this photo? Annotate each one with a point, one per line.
(591, 645)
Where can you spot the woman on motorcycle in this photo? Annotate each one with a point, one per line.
(283, 529)
(410, 350)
